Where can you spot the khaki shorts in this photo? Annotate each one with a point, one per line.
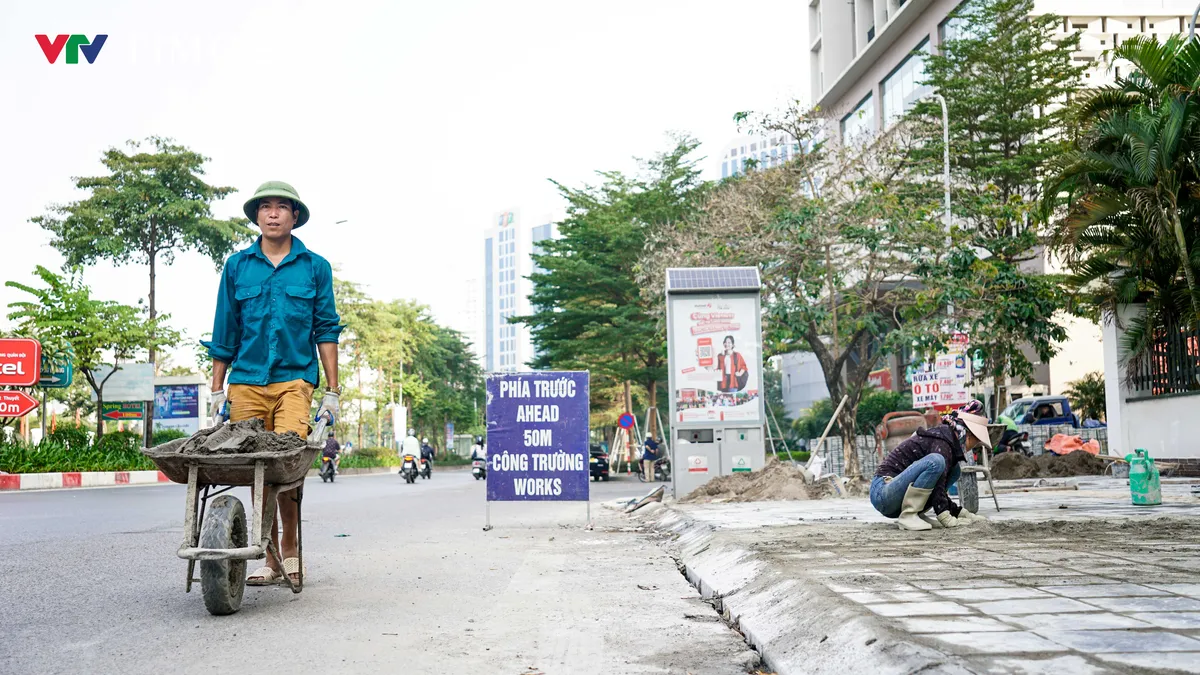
(283, 406)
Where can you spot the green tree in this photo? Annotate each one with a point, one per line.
(836, 234)
(589, 310)
(63, 315)
(1131, 190)
(875, 403)
(152, 204)
(1004, 72)
(455, 383)
(1088, 397)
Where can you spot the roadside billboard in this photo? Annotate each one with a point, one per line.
(537, 434)
(716, 358)
(177, 406)
(130, 382)
(942, 383)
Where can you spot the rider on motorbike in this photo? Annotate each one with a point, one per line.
(477, 450)
(410, 446)
(332, 450)
(427, 452)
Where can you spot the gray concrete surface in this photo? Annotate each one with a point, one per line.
(89, 583)
(1057, 582)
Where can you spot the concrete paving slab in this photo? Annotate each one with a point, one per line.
(959, 624)
(1175, 662)
(1190, 590)
(1059, 665)
(1124, 641)
(918, 609)
(1036, 606)
(1167, 604)
(889, 596)
(1176, 620)
(1099, 621)
(999, 643)
(983, 594)
(1104, 591)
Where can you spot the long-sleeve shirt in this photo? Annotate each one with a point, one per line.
(940, 440)
(270, 319)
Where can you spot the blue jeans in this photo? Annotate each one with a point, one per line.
(888, 497)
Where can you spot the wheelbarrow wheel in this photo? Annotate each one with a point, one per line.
(968, 491)
(223, 581)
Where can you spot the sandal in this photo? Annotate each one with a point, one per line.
(263, 576)
(291, 566)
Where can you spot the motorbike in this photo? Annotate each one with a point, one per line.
(328, 469)
(426, 469)
(662, 471)
(1014, 441)
(479, 469)
(408, 469)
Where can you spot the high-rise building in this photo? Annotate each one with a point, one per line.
(508, 263)
(759, 151)
(866, 57)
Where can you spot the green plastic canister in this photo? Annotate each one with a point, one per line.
(1143, 479)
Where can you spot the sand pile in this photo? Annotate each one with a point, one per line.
(237, 438)
(778, 481)
(1012, 465)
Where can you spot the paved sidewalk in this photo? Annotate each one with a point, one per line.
(1057, 582)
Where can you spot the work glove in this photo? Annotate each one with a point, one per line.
(965, 517)
(218, 410)
(947, 520)
(329, 407)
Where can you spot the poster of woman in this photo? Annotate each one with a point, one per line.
(717, 359)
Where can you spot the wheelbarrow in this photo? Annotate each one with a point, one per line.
(214, 523)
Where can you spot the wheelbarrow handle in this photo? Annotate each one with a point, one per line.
(319, 430)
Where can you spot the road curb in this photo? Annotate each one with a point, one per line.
(797, 625)
(10, 482)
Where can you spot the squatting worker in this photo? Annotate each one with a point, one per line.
(275, 313)
(914, 476)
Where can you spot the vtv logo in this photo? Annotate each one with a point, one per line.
(74, 44)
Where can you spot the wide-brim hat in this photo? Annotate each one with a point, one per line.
(275, 188)
(977, 425)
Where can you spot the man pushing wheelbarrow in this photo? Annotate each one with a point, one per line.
(275, 314)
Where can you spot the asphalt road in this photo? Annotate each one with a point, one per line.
(89, 583)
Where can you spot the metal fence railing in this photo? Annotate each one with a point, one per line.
(835, 461)
(1171, 365)
(1038, 435)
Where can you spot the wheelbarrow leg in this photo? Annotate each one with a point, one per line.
(300, 535)
(191, 524)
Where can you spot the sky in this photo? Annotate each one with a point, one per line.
(415, 122)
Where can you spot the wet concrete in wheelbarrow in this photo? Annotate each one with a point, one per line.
(247, 436)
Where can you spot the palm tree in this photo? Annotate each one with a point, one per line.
(1133, 181)
(1087, 395)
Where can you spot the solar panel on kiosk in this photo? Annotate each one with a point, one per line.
(713, 279)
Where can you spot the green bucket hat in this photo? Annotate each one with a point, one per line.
(275, 188)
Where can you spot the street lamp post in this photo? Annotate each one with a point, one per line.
(1192, 29)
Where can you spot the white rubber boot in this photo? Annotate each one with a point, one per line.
(914, 503)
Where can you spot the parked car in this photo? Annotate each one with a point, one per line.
(598, 462)
(1042, 411)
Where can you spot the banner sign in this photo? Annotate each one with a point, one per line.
(176, 401)
(943, 383)
(121, 410)
(717, 359)
(537, 432)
